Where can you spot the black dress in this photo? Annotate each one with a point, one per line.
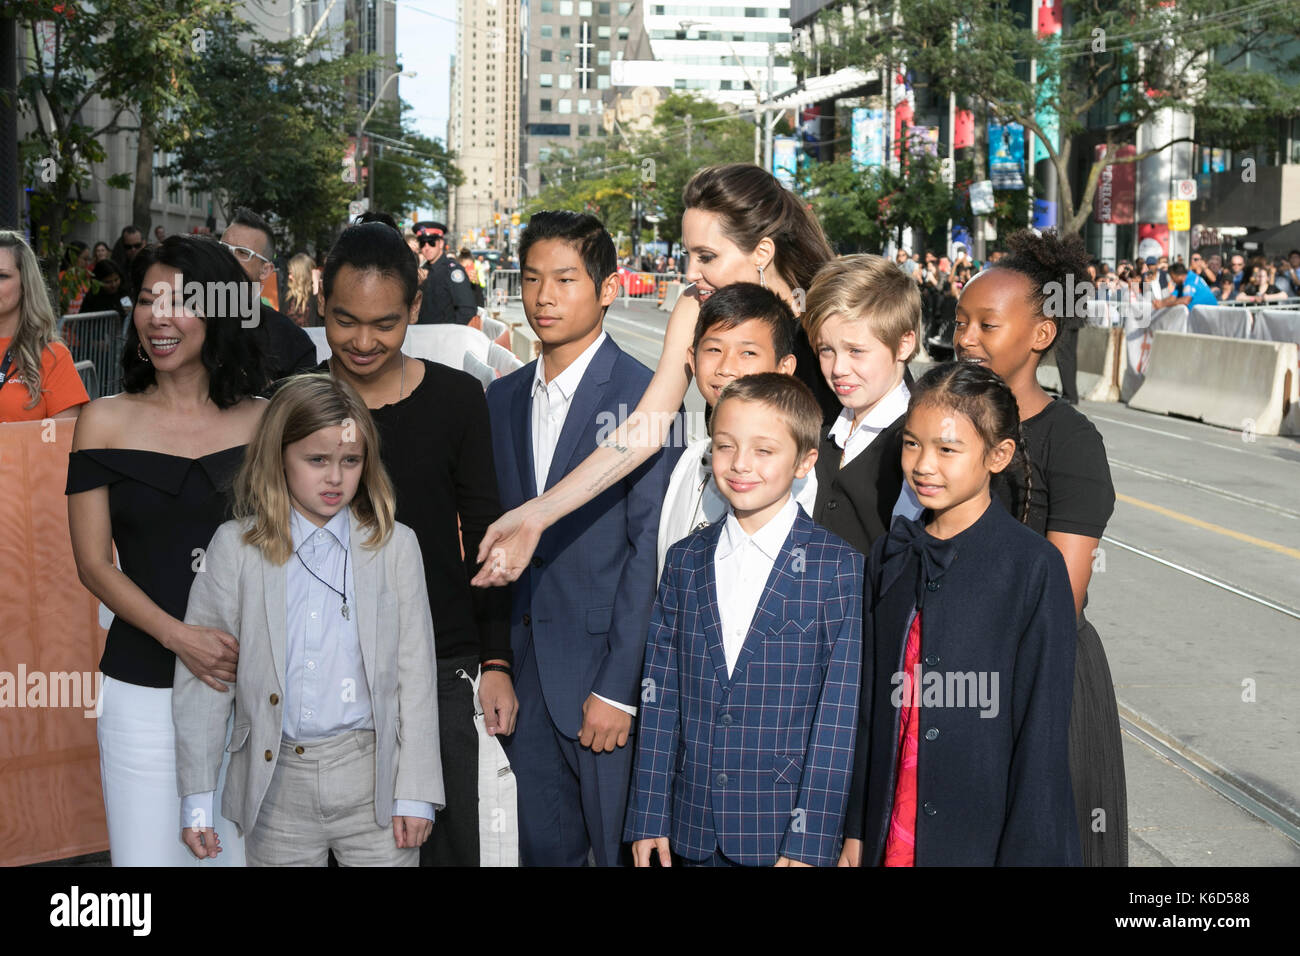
(1071, 492)
(164, 511)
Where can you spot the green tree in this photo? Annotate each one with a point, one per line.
(650, 168)
(1113, 66)
(270, 131)
(133, 54)
(861, 210)
(411, 170)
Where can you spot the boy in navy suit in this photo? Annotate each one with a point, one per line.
(580, 611)
(752, 665)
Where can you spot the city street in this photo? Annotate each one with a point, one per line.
(1195, 598)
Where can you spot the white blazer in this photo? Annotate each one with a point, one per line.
(240, 592)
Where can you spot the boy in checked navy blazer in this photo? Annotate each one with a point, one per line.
(581, 608)
(750, 689)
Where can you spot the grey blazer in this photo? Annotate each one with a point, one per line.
(240, 592)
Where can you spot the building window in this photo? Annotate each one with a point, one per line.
(584, 130)
(566, 8)
(584, 106)
(566, 106)
(624, 9)
(623, 33)
(602, 81)
(602, 9)
(602, 58)
(547, 29)
(548, 6)
(602, 33)
(659, 10)
(584, 8)
(546, 56)
(678, 84)
(544, 79)
(724, 85)
(565, 33)
(544, 105)
(566, 81)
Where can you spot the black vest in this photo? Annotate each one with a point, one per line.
(856, 501)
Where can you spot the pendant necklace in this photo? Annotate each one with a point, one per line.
(347, 615)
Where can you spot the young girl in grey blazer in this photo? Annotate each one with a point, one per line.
(335, 741)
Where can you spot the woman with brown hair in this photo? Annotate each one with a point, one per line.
(740, 225)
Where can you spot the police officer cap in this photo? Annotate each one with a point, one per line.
(429, 228)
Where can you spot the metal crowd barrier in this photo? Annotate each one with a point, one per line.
(647, 285)
(505, 285)
(96, 337)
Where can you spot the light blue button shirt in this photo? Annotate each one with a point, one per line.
(325, 693)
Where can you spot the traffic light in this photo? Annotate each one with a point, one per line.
(496, 218)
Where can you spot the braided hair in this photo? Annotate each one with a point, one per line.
(980, 395)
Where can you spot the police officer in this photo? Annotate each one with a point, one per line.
(447, 296)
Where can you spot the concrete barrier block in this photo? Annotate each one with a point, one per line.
(1098, 374)
(1234, 383)
(524, 342)
(672, 291)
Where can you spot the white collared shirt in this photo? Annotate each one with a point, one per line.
(854, 441)
(550, 407)
(741, 567)
(693, 500)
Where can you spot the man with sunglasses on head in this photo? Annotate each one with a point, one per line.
(289, 349)
(446, 296)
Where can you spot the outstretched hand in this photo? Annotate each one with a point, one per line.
(507, 546)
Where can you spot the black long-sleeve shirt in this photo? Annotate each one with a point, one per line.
(437, 446)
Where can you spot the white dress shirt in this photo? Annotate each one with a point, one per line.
(551, 402)
(693, 500)
(550, 408)
(854, 441)
(326, 692)
(741, 566)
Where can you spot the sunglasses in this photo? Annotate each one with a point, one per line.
(133, 245)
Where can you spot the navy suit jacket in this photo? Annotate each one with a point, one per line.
(584, 603)
(758, 763)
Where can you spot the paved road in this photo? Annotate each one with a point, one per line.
(1197, 601)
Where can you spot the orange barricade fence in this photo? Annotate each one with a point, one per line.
(50, 643)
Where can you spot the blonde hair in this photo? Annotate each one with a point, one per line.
(37, 323)
(298, 294)
(303, 405)
(870, 289)
(790, 399)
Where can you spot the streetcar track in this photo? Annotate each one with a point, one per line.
(1199, 441)
(1229, 785)
(1218, 583)
(1221, 492)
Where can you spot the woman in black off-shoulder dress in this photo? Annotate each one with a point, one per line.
(148, 477)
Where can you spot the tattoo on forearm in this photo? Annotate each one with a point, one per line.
(612, 473)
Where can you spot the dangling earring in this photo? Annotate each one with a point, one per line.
(140, 351)
(761, 281)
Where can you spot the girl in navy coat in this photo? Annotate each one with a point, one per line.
(968, 656)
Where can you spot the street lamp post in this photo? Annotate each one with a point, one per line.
(362, 125)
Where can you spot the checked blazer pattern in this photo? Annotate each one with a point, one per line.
(757, 764)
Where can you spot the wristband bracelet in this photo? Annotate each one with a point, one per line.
(503, 668)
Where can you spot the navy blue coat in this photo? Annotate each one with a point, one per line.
(584, 603)
(991, 790)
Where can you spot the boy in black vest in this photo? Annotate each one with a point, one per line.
(863, 319)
